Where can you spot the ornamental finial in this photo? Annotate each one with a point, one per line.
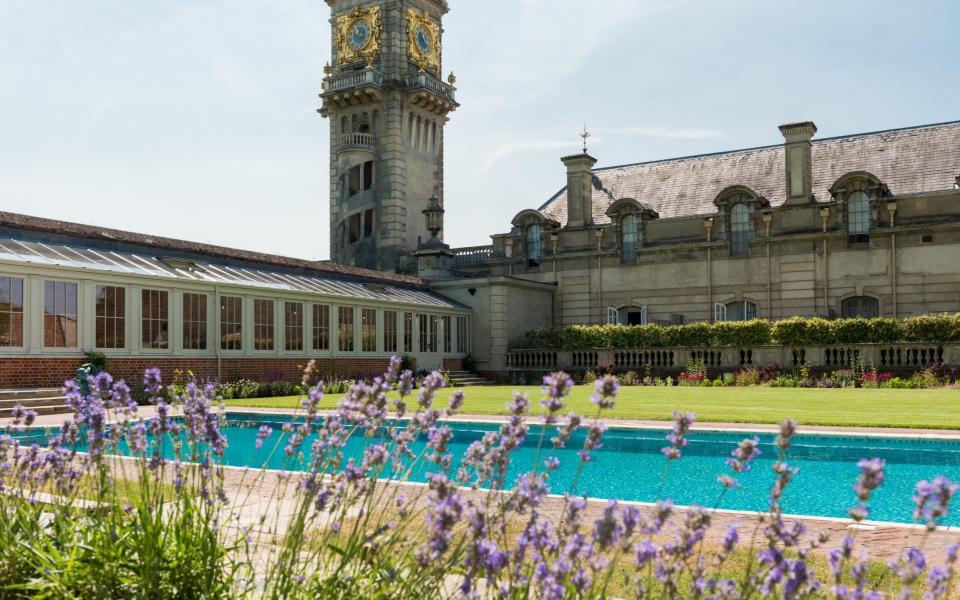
(584, 135)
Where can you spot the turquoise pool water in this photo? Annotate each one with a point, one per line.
(630, 466)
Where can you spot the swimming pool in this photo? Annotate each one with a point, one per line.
(630, 466)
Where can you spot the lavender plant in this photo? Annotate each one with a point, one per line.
(119, 503)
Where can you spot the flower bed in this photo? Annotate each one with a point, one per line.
(72, 527)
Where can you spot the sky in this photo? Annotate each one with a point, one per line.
(196, 119)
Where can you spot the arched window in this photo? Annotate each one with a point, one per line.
(860, 306)
(739, 230)
(534, 234)
(858, 217)
(741, 310)
(629, 237)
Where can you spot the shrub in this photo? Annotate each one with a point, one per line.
(932, 328)
(925, 379)
(795, 331)
(746, 377)
(743, 333)
(630, 378)
(843, 378)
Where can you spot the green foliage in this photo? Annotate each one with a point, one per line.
(932, 328)
(97, 359)
(795, 331)
(469, 363)
(245, 388)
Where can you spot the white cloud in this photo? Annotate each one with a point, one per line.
(504, 150)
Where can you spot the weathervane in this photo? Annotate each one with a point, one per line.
(584, 135)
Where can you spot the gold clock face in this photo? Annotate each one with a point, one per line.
(423, 35)
(358, 35)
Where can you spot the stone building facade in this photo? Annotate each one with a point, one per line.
(857, 225)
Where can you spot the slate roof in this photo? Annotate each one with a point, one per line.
(102, 237)
(915, 159)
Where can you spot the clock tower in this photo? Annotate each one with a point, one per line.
(387, 103)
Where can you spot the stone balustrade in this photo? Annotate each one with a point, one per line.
(884, 357)
(358, 140)
(431, 83)
(472, 256)
(352, 79)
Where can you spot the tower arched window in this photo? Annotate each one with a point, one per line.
(739, 230)
(858, 217)
(860, 306)
(629, 237)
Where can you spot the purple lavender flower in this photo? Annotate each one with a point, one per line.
(431, 383)
(520, 403)
(593, 441)
(443, 511)
(570, 424)
(263, 433)
(938, 582)
(551, 463)
(456, 401)
(727, 482)
(744, 454)
(608, 529)
(932, 500)
(871, 477)
(405, 385)
(682, 422)
(137, 439)
(556, 386)
(908, 569)
(605, 392)
(646, 552)
(788, 429)
(152, 381)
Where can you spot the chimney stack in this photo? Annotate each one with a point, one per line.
(579, 189)
(797, 151)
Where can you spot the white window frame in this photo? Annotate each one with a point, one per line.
(719, 312)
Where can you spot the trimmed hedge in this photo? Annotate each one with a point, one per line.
(796, 331)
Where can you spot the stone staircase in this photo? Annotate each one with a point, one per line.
(46, 401)
(465, 379)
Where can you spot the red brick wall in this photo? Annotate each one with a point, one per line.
(27, 372)
(453, 364)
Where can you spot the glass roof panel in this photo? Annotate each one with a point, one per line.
(121, 262)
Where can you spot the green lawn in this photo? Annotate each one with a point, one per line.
(935, 408)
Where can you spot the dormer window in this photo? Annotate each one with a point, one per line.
(858, 217)
(857, 193)
(739, 230)
(629, 236)
(531, 225)
(629, 215)
(738, 206)
(534, 238)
